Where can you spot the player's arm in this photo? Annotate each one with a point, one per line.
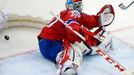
(103, 18)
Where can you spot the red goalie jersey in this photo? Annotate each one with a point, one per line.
(58, 31)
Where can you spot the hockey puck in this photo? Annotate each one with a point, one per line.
(6, 37)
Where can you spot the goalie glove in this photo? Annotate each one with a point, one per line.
(106, 15)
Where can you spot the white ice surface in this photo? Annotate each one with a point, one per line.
(35, 64)
(22, 39)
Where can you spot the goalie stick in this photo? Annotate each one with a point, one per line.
(123, 7)
(100, 52)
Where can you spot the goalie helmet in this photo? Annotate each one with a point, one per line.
(74, 5)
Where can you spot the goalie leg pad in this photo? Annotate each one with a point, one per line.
(71, 63)
(106, 42)
(84, 49)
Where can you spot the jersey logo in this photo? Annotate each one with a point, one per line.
(74, 14)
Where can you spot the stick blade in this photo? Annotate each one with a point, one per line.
(122, 6)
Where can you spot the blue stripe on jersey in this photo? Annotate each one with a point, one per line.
(69, 21)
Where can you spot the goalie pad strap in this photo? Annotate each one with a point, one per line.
(66, 52)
